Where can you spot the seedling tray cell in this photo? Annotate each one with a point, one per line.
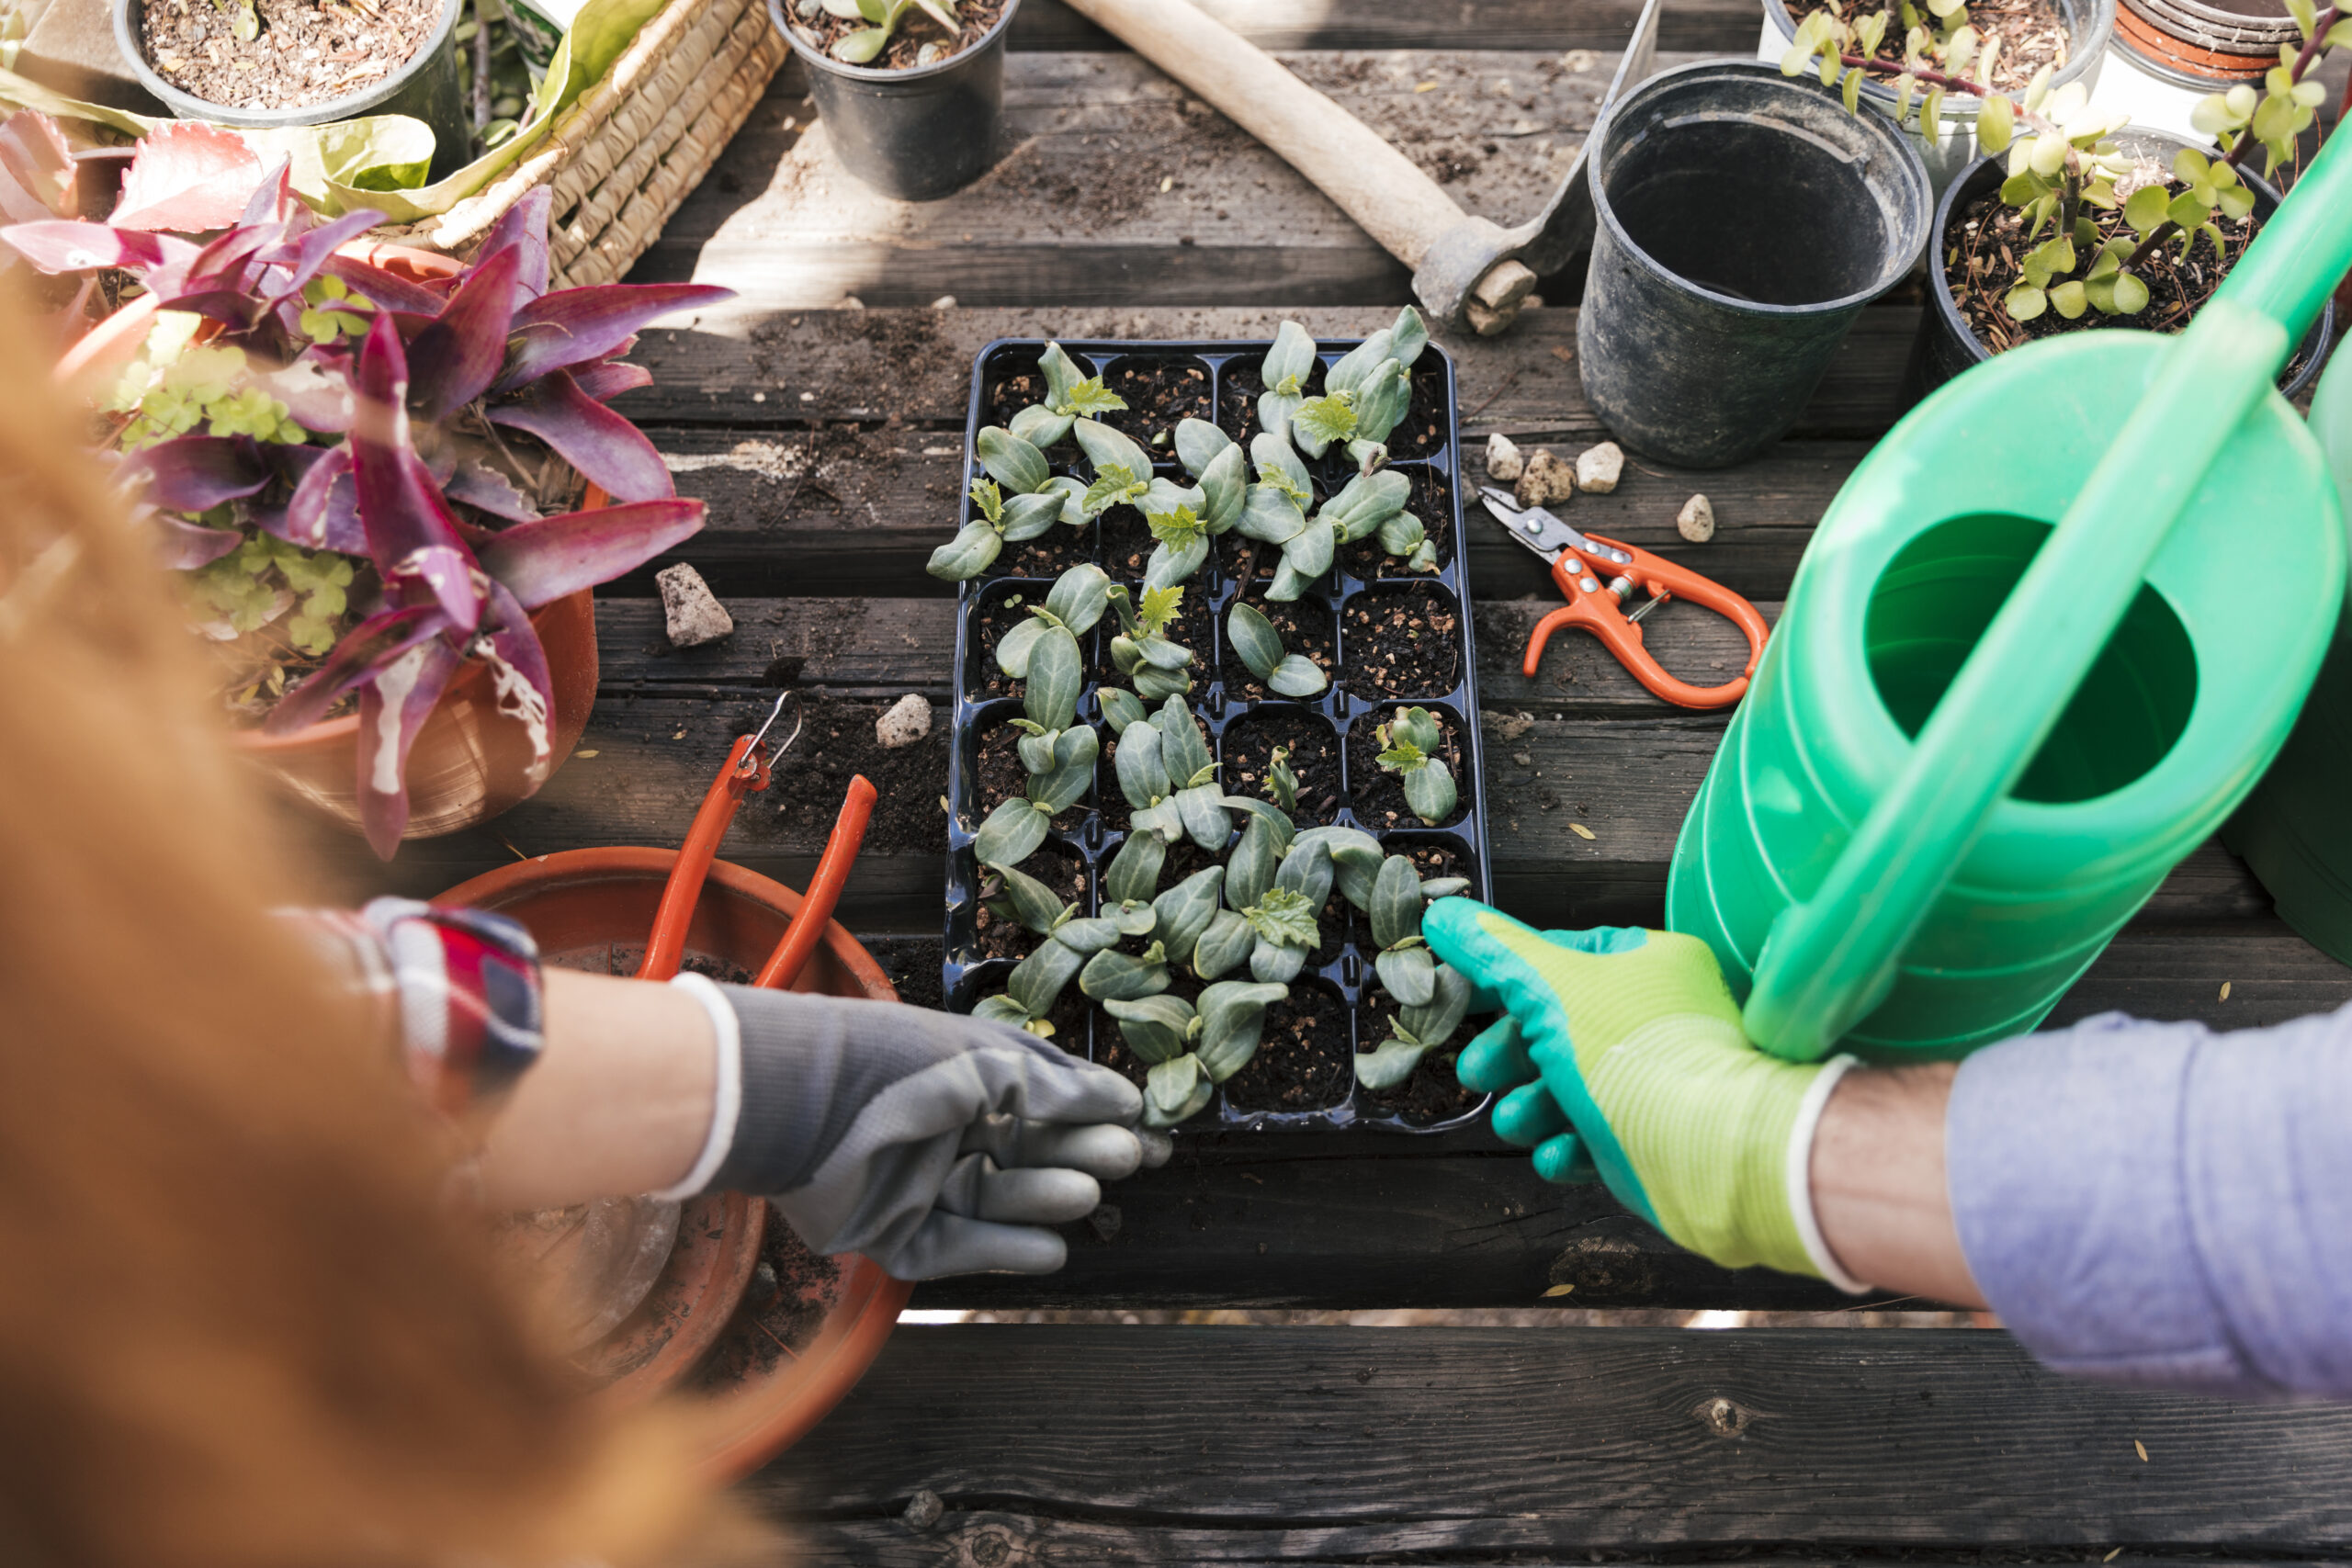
(1347, 606)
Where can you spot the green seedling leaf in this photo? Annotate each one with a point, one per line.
(1156, 1029)
(1028, 517)
(1319, 422)
(1228, 940)
(1181, 742)
(1057, 671)
(1996, 121)
(1202, 808)
(1185, 911)
(1070, 777)
(1108, 448)
(1002, 1008)
(1137, 917)
(988, 499)
(1417, 727)
(1850, 89)
(1120, 709)
(1366, 502)
(1274, 963)
(1355, 370)
(1161, 821)
(2070, 299)
(1198, 443)
(1143, 772)
(1428, 789)
(1037, 980)
(1225, 489)
(1039, 426)
(1134, 871)
(1308, 871)
(1270, 516)
(1159, 608)
(1061, 372)
(1409, 973)
(1390, 1063)
(1436, 1021)
(1162, 654)
(1090, 396)
(1112, 975)
(1115, 485)
(2147, 208)
(1279, 466)
(1402, 535)
(1087, 935)
(1296, 676)
(972, 552)
(1175, 1091)
(2046, 154)
(1172, 564)
(1026, 901)
(1437, 887)
(858, 48)
(1243, 808)
(1250, 870)
(1283, 917)
(1254, 639)
(1012, 834)
(1407, 335)
(1288, 360)
(1073, 498)
(2024, 302)
(1078, 597)
(1011, 461)
(1153, 683)
(1233, 1019)
(1310, 552)
(1395, 908)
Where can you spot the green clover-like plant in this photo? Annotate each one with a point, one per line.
(1408, 746)
(1260, 646)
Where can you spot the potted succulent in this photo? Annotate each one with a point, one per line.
(364, 463)
(912, 92)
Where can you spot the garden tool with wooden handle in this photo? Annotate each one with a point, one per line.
(1467, 271)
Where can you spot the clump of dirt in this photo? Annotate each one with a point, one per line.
(1304, 627)
(1379, 797)
(837, 743)
(1314, 758)
(1304, 1060)
(915, 29)
(782, 1312)
(1003, 775)
(303, 53)
(1431, 501)
(1058, 869)
(1432, 1093)
(1403, 642)
(1159, 393)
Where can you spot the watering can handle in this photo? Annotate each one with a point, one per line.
(1828, 961)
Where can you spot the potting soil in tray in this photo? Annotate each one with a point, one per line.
(1388, 639)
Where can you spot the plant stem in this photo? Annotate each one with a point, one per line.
(481, 66)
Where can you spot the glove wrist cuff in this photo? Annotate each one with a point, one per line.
(1798, 1175)
(727, 1101)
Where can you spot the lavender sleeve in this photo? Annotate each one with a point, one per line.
(2155, 1203)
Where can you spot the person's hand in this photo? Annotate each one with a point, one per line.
(933, 1144)
(1621, 1050)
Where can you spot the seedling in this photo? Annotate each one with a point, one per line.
(1281, 782)
(1057, 751)
(1121, 469)
(857, 48)
(1073, 604)
(1070, 942)
(1288, 363)
(1190, 1047)
(1415, 1031)
(1260, 648)
(1409, 745)
(1142, 651)
(1216, 462)
(1069, 396)
(1037, 500)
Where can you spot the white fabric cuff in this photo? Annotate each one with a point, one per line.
(726, 1102)
(1799, 1175)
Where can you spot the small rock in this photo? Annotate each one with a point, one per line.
(1523, 759)
(810, 10)
(1696, 521)
(929, 54)
(1503, 461)
(945, 301)
(1598, 467)
(1576, 61)
(924, 1510)
(1546, 478)
(905, 722)
(695, 614)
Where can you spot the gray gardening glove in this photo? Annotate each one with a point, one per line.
(933, 1144)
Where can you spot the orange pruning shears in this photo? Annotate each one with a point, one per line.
(1597, 575)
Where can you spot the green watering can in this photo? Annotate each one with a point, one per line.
(1977, 742)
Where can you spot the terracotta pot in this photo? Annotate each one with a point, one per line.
(468, 764)
(592, 909)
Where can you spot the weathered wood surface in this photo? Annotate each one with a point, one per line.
(1710, 26)
(1327, 1445)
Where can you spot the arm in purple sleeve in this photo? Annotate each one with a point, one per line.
(2157, 1203)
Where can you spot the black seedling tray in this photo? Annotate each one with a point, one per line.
(1345, 707)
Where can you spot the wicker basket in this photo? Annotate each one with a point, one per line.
(623, 157)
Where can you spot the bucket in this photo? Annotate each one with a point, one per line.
(918, 135)
(1978, 741)
(1745, 218)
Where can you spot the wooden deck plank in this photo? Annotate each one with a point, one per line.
(1709, 26)
(1254, 1444)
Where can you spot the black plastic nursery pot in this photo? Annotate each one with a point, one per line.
(428, 87)
(1745, 220)
(916, 134)
(1339, 981)
(1946, 346)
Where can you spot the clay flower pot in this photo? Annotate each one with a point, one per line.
(591, 909)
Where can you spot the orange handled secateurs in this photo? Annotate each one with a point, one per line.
(1597, 575)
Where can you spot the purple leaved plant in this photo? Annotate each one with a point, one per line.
(402, 427)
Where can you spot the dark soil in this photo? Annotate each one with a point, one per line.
(1305, 1062)
(1237, 400)
(1047, 556)
(1068, 1016)
(1127, 545)
(1432, 1093)
(1002, 610)
(837, 743)
(1379, 796)
(1434, 860)
(1159, 393)
(1058, 869)
(1432, 503)
(1314, 757)
(306, 53)
(915, 29)
(1019, 386)
(783, 1310)
(2033, 34)
(1111, 1050)
(1403, 642)
(1984, 245)
(1419, 434)
(1003, 776)
(1305, 627)
(624, 958)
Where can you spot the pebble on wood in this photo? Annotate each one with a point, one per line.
(1599, 467)
(1503, 461)
(1696, 521)
(1546, 478)
(695, 614)
(903, 723)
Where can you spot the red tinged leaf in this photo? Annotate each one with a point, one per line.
(450, 363)
(325, 512)
(542, 561)
(378, 287)
(523, 226)
(490, 491)
(444, 576)
(197, 473)
(365, 649)
(601, 444)
(40, 169)
(392, 710)
(186, 546)
(519, 679)
(577, 325)
(303, 256)
(399, 506)
(65, 246)
(187, 177)
(607, 381)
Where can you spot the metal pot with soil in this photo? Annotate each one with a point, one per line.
(1976, 238)
(2070, 36)
(1745, 220)
(912, 105)
(270, 63)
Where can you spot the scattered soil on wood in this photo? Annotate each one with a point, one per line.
(1304, 627)
(1305, 1061)
(1986, 246)
(1161, 393)
(1003, 775)
(782, 1312)
(915, 29)
(1058, 869)
(838, 743)
(1314, 757)
(1403, 642)
(305, 54)
(1432, 1093)
(2033, 34)
(1379, 797)
(1431, 501)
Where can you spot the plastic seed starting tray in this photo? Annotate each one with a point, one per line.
(1361, 582)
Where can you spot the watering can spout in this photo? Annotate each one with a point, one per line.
(2296, 262)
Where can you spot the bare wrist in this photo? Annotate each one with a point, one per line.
(1878, 1194)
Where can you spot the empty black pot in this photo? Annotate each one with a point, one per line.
(1945, 346)
(916, 134)
(1745, 219)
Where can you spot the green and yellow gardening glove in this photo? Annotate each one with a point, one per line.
(1621, 1050)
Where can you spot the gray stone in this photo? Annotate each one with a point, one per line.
(695, 614)
(1598, 467)
(929, 54)
(905, 722)
(1696, 521)
(924, 1510)
(1546, 479)
(1503, 461)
